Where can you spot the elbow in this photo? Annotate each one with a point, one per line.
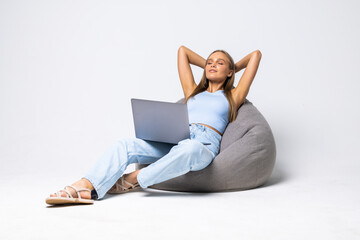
(182, 48)
(182, 51)
(258, 53)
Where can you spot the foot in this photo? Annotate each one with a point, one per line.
(82, 183)
(128, 179)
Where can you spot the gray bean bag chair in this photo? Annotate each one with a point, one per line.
(246, 158)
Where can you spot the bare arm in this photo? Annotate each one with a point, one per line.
(251, 63)
(185, 58)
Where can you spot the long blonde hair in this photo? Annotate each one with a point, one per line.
(228, 85)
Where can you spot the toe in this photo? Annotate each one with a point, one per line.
(62, 194)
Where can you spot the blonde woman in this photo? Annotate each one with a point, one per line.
(212, 104)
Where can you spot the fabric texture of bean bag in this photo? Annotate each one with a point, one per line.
(246, 158)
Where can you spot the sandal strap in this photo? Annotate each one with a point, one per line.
(124, 181)
(68, 194)
(122, 184)
(77, 190)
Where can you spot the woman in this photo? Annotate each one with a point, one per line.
(211, 106)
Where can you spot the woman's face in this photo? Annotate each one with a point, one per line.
(217, 67)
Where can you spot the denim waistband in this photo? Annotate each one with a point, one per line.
(202, 127)
(206, 135)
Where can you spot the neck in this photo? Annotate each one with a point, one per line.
(213, 87)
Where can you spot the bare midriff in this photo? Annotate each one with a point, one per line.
(211, 128)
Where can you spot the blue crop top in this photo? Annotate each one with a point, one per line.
(209, 108)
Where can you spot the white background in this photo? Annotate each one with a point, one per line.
(69, 68)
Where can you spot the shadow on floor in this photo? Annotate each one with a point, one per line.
(67, 205)
(278, 176)
(160, 193)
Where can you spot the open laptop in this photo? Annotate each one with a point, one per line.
(160, 121)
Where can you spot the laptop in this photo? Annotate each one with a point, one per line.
(160, 121)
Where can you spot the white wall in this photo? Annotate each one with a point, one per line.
(69, 68)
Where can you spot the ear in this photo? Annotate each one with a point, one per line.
(230, 73)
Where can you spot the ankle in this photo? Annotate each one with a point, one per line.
(84, 183)
(132, 177)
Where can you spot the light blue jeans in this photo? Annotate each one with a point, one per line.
(166, 160)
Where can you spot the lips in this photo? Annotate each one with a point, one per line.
(212, 70)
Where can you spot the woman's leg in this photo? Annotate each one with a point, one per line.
(188, 155)
(112, 164)
(114, 161)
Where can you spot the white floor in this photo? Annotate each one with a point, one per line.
(285, 208)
